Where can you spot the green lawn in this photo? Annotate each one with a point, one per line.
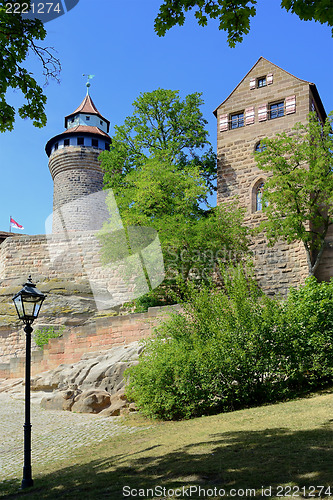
(284, 444)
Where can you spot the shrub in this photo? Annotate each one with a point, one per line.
(234, 348)
(309, 329)
(42, 336)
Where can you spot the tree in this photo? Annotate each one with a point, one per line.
(162, 126)
(298, 195)
(161, 169)
(18, 38)
(235, 15)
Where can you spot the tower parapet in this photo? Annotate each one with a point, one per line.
(75, 169)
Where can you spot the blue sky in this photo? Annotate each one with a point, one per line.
(116, 42)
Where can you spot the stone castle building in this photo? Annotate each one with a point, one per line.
(267, 101)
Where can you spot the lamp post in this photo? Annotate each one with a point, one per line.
(28, 302)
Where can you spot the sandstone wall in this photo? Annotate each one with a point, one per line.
(75, 259)
(99, 335)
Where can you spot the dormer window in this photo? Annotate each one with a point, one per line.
(261, 82)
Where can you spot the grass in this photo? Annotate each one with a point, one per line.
(288, 443)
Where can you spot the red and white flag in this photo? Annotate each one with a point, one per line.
(15, 224)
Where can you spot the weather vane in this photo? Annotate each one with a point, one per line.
(89, 77)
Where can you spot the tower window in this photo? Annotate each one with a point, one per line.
(259, 191)
(87, 118)
(107, 146)
(56, 146)
(66, 142)
(80, 141)
(237, 120)
(94, 143)
(101, 122)
(276, 110)
(261, 82)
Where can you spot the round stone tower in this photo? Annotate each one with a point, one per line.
(75, 169)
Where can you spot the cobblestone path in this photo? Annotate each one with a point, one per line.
(54, 433)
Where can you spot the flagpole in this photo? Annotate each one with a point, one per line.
(10, 227)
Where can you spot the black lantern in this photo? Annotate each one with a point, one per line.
(28, 302)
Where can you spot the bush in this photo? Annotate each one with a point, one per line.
(309, 329)
(42, 336)
(235, 347)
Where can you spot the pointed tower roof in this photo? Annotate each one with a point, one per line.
(87, 107)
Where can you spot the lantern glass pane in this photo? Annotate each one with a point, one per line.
(37, 308)
(19, 306)
(31, 306)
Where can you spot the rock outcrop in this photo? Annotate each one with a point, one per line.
(95, 384)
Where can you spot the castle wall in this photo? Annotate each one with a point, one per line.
(100, 335)
(76, 259)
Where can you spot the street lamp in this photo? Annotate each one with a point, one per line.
(28, 302)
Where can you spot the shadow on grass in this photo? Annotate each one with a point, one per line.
(242, 459)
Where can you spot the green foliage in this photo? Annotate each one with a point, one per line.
(161, 172)
(42, 336)
(17, 38)
(234, 15)
(234, 348)
(309, 328)
(165, 129)
(299, 189)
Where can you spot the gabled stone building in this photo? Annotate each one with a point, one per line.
(268, 100)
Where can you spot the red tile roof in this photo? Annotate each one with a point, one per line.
(86, 128)
(87, 106)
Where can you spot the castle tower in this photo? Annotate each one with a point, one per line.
(267, 101)
(75, 169)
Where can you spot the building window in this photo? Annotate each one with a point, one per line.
(101, 122)
(80, 141)
(107, 146)
(87, 118)
(259, 191)
(237, 120)
(94, 143)
(259, 147)
(276, 110)
(66, 142)
(56, 146)
(261, 82)
(72, 120)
